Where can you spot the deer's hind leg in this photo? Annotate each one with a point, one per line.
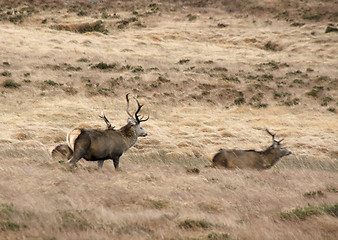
(81, 148)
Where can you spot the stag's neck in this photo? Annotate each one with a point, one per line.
(129, 135)
(269, 157)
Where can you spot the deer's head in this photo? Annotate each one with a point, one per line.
(277, 146)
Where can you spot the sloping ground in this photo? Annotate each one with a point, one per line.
(210, 78)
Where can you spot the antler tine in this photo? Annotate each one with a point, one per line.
(138, 110)
(130, 115)
(273, 135)
(143, 120)
(106, 120)
(139, 106)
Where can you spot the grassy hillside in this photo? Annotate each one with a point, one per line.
(211, 74)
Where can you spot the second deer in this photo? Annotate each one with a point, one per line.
(233, 158)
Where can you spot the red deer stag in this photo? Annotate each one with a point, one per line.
(100, 145)
(232, 158)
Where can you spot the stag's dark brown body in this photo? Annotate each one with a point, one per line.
(96, 145)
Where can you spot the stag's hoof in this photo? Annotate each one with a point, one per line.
(72, 163)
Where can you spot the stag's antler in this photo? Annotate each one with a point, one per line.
(106, 120)
(130, 115)
(137, 117)
(273, 136)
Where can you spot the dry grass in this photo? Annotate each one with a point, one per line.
(190, 66)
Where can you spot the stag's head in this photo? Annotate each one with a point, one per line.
(280, 150)
(135, 119)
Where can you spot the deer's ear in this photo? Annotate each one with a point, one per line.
(132, 121)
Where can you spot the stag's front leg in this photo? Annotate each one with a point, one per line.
(116, 162)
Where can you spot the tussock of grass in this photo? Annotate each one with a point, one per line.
(74, 220)
(96, 26)
(11, 84)
(155, 203)
(7, 213)
(190, 224)
(104, 66)
(313, 194)
(303, 213)
(6, 74)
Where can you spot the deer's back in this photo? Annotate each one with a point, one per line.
(232, 158)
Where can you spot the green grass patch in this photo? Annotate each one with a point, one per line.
(7, 212)
(220, 69)
(74, 220)
(16, 19)
(313, 194)
(183, 61)
(70, 90)
(316, 90)
(239, 101)
(302, 213)
(191, 17)
(104, 66)
(138, 69)
(155, 203)
(11, 84)
(6, 74)
(230, 78)
(257, 97)
(218, 236)
(83, 60)
(323, 78)
(292, 102)
(326, 100)
(266, 77)
(163, 79)
(193, 170)
(125, 22)
(271, 46)
(51, 83)
(190, 224)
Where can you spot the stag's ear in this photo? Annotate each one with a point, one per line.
(132, 121)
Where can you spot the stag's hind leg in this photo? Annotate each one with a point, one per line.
(81, 148)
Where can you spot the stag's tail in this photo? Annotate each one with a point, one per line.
(72, 136)
(62, 151)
